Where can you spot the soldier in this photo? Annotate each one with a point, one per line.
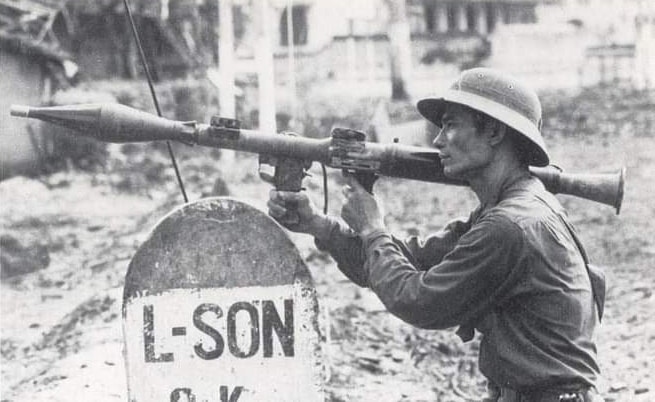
(514, 270)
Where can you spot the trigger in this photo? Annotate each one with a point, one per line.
(367, 180)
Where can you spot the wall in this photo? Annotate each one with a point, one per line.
(609, 42)
(645, 51)
(23, 82)
(528, 52)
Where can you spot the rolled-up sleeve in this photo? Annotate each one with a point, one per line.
(465, 283)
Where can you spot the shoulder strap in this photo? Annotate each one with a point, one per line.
(596, 275)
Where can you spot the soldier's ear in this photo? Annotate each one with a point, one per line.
(497, 132)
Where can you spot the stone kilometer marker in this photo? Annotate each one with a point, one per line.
(219, 306)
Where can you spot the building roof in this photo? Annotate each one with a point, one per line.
(26, 46)
(26, 25)
(419, 2)
(34, 5)
(146, 8)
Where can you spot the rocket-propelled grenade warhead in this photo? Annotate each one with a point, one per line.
(109, 122)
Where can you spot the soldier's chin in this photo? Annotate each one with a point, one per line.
(451, 173)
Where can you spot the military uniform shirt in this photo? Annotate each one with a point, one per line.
(512, 271)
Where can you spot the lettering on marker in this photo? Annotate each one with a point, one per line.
(249, 329)
(232, 329)
(182, 395)
(231, 397)
(272, 323)
(149, 337)
(186, 395)
(213, 333)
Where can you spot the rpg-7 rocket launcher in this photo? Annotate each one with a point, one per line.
(292, 155)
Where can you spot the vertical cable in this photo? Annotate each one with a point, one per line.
(144, 63)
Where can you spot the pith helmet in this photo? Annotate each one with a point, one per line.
(499, 96)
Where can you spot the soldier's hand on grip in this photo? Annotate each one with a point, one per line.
(361, 210)
(296, 212)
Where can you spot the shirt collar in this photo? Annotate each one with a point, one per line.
(508, 188)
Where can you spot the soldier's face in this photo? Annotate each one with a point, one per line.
(464, 149)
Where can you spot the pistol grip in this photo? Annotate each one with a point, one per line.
(366, 179)
(288, 176)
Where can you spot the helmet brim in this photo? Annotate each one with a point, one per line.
(433, 109)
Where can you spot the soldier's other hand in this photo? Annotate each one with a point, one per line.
(361, 210)
(296, 212)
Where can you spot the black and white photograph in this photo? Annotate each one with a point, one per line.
(327, 200)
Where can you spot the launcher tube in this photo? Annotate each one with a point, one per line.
(118, 123)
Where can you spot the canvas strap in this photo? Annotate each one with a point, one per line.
(596, 274)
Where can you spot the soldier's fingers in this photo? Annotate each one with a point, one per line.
(291, 196)
(346, 214)
(347, 191)
(352, 181)
(276, 210)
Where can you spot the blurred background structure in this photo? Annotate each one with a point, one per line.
(267, 61)
(68, 233)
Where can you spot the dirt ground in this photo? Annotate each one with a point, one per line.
(61, 326)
